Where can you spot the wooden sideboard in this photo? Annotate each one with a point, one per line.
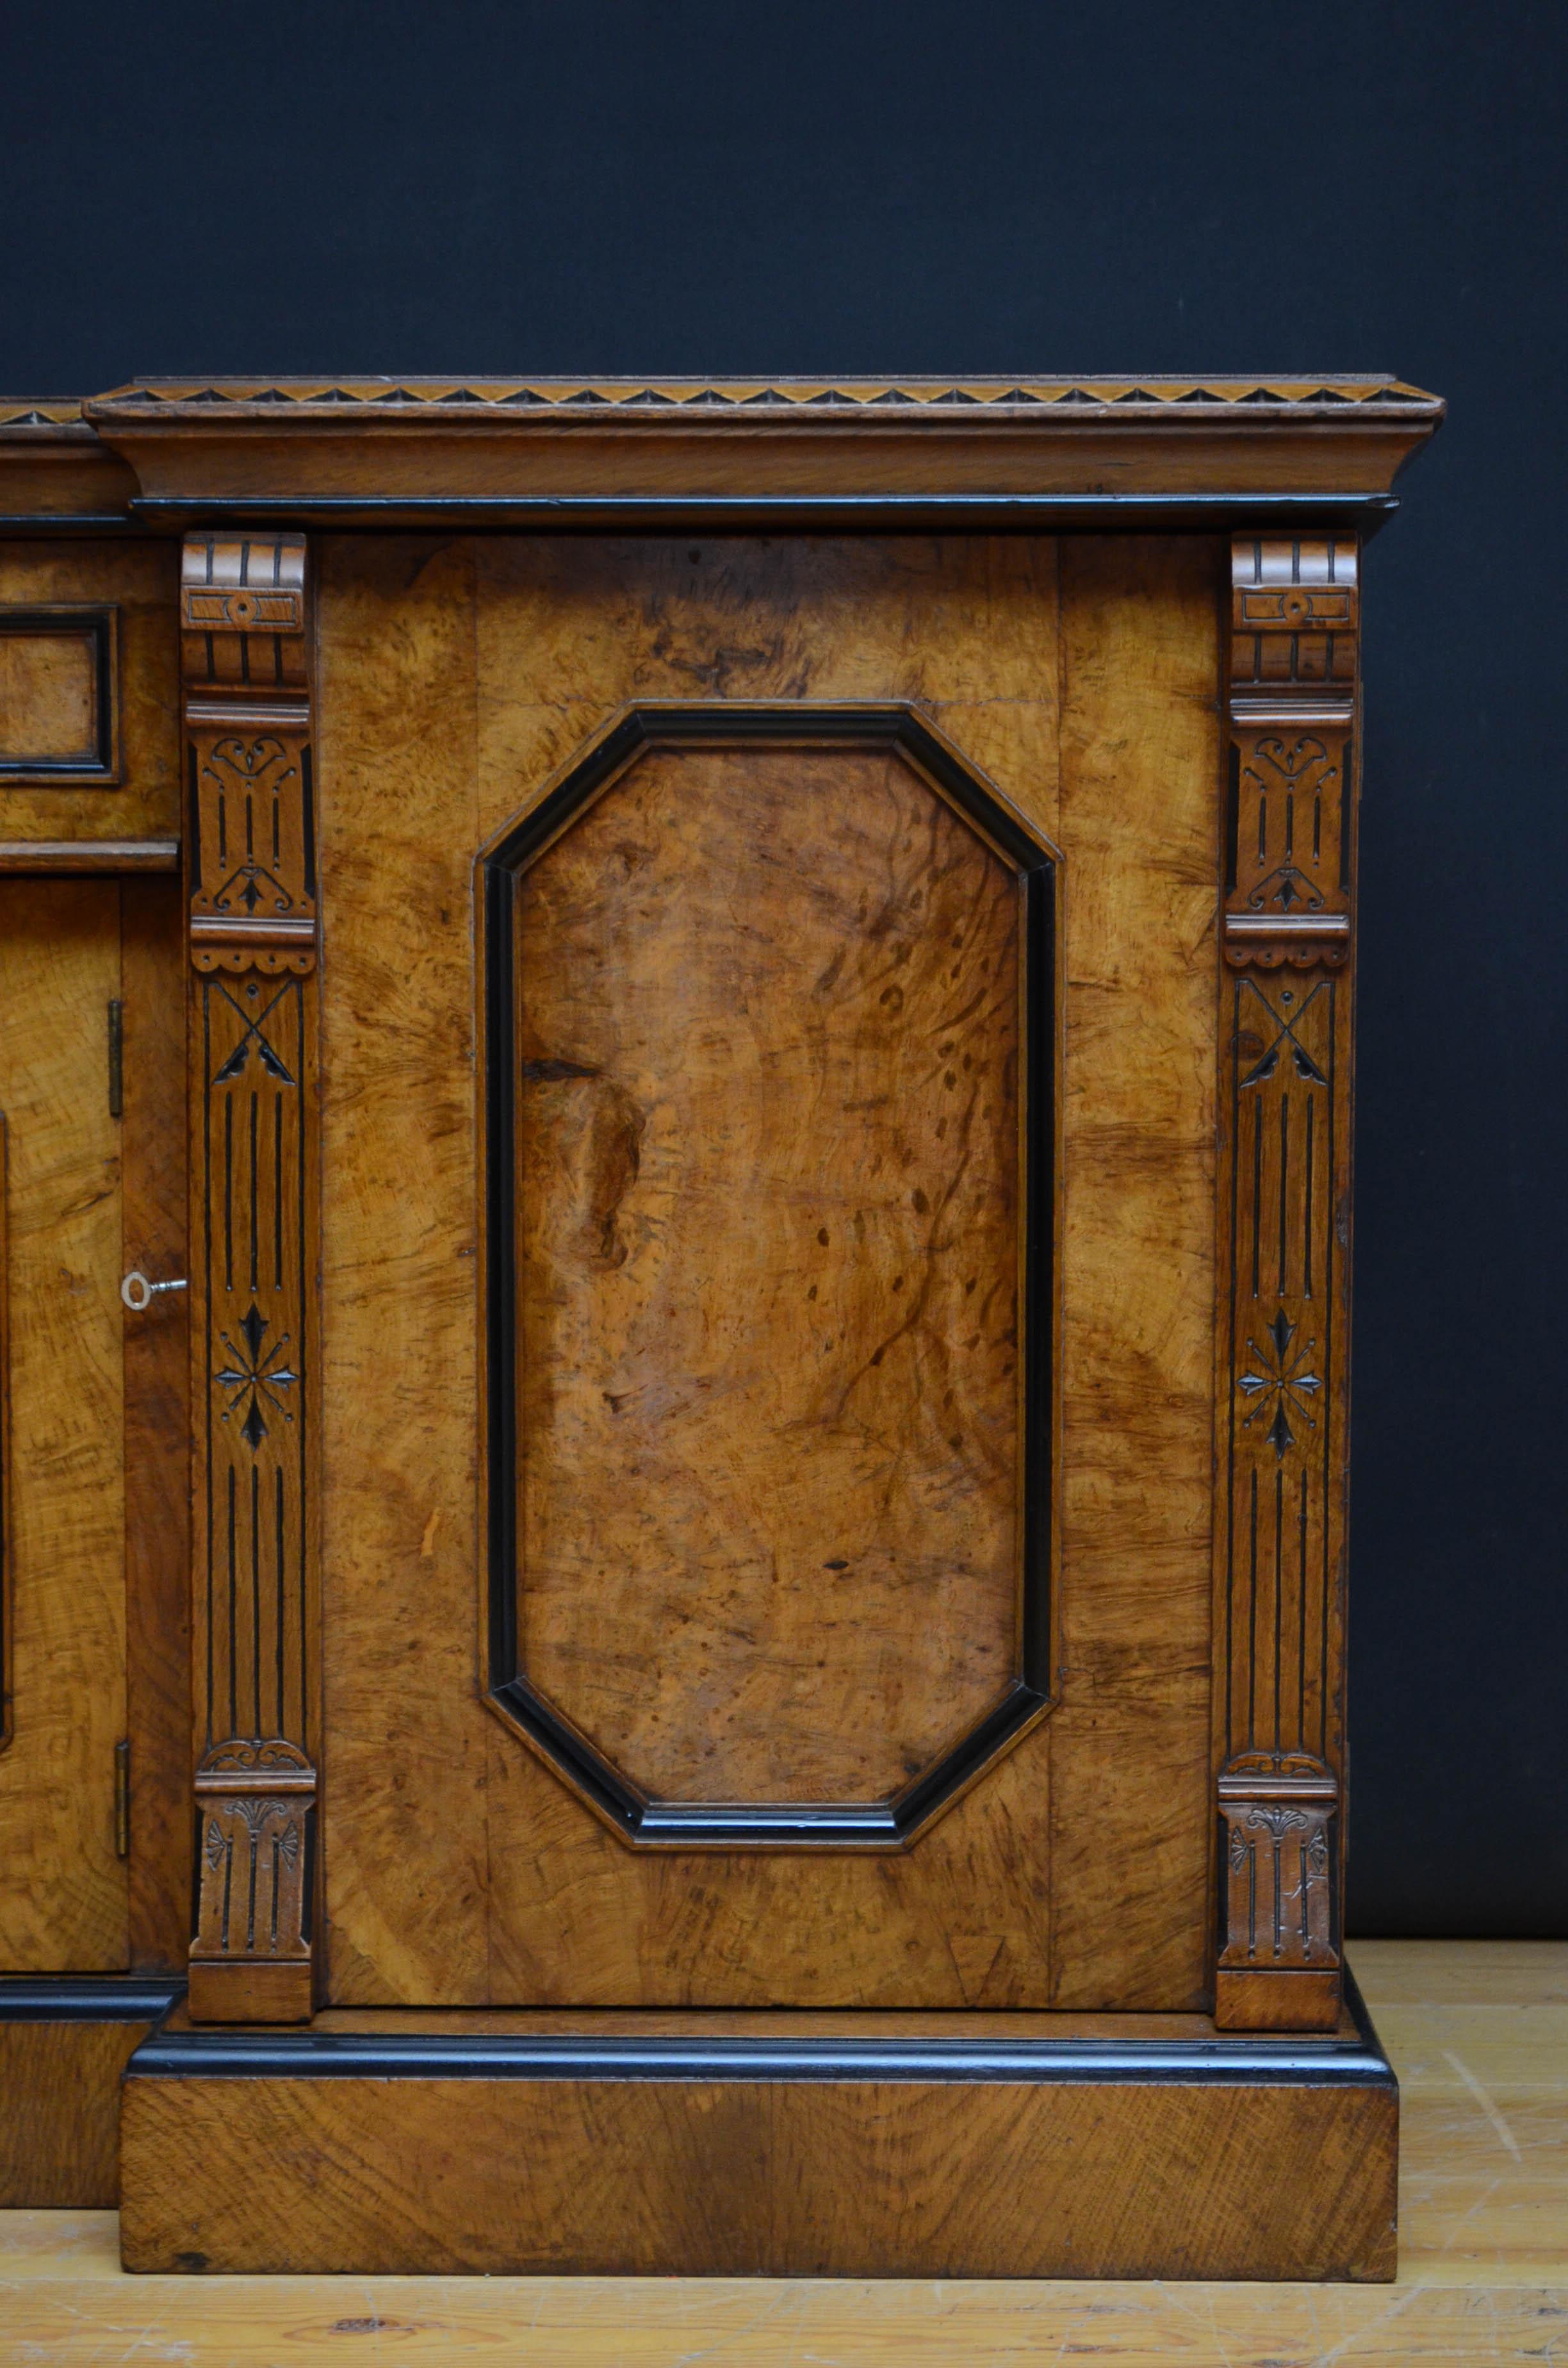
(677, 1105)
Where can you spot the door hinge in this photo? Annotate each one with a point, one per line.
(116, 1057)
(122, 1800)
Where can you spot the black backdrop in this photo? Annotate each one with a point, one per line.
(536, 186)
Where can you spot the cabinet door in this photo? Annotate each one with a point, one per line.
(768, 1161)
(63, 1901)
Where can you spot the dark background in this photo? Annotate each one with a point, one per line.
(616, 186)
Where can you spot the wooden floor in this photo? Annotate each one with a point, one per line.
(1478, 2032)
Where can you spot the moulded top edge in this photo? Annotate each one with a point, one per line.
(810, 399)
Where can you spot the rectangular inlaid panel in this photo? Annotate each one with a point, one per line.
(768, 1408)
(63, 1903)
(49, 694)
(457, 680)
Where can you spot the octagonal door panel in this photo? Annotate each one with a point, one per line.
(769, 1075)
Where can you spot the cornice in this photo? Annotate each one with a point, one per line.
(721, 453)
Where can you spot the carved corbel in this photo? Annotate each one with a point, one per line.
(1292, 712)
(252, 888)
(1286, 939)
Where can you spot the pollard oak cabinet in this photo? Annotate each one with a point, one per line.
(677, 1094)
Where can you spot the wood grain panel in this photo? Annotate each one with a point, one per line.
(7, 1639)
(467, 1876)
(565, 631)
(1139, 825)
(141, 578)
(60, 2130)
(407, 1823)
(769, 1196)
(62, 1906)
(964, 1918)
(157, 1423)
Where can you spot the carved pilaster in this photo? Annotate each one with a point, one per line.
(251, 880)
(1284, 1239)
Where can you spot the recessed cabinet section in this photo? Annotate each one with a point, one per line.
(94, 1768)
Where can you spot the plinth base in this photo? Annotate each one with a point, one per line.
(780, 2144)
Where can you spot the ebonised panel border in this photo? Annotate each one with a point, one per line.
(868, 513)
(23, 522)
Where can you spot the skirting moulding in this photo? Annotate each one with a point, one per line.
(706, 1032)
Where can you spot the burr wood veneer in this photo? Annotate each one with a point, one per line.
(761, 1228)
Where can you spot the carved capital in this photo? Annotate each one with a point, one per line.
(251, 821)
(242, 616)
